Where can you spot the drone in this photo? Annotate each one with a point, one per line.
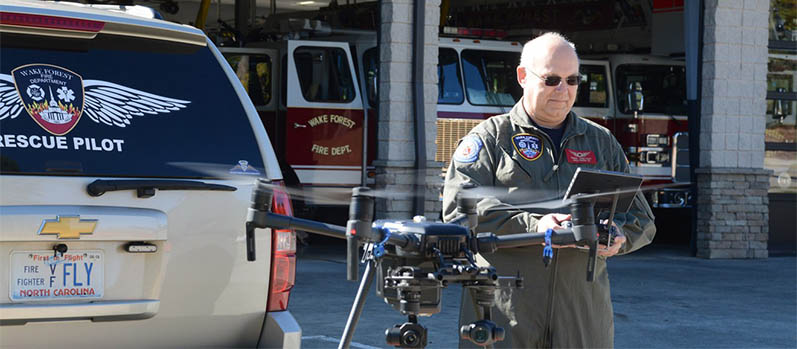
(415, 259)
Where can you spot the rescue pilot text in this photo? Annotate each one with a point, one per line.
(61, 142)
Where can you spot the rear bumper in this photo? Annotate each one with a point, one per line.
(280, 330)
(18, 314)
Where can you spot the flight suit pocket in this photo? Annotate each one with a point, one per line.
(509, 174)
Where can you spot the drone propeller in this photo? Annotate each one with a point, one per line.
(541, 205)
(327, 195)
(515, 198)
(561, 202)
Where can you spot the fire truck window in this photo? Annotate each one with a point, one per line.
(449, 79)
(664, 87)
(490, 77)
(371, 69)
(592, 89)
(254, 71)
(324, 74)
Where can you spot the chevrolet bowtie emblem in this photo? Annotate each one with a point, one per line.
(68, 227)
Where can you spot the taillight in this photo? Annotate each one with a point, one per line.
(283, 255)
(52, 22)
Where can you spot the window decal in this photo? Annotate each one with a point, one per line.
(243, 168)
(56, 97)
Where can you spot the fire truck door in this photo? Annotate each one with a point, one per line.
(324, 118)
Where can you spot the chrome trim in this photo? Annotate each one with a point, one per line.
(657, 149)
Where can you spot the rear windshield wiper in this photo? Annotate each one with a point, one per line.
(146, 188)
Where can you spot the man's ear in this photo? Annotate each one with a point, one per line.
(521, 75)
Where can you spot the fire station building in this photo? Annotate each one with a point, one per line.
(740, 64)
(730, 139)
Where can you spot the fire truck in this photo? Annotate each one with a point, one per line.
(642, 100)
(313, 95)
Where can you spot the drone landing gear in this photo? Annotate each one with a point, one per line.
(357, 307)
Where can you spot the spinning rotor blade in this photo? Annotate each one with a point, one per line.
(336, 195)
(561, 203)
(540, 205)
(631, 190)
(326, 195)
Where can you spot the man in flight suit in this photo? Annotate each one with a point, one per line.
(536, 148)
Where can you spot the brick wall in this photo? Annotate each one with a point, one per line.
(733, 213)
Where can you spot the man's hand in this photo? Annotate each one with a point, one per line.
(552, 221)
(618, 242)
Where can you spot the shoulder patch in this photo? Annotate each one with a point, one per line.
(528, 146)
(468, 149)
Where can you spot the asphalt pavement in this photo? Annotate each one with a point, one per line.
(663, 298)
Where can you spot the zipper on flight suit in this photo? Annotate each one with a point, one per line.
(557, 158)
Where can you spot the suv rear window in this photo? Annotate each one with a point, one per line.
(118, 106)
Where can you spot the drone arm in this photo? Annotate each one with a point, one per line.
(461, 219)
(489, 242)
(261, 219)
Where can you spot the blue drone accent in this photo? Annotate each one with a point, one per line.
(547, 252)
(379, 249)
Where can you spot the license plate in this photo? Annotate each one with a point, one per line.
(40, 276)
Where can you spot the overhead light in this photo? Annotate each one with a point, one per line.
(305, 3)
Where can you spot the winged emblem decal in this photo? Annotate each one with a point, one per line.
(581, 156)
(56, 98)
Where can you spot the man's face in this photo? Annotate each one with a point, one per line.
(549, 105)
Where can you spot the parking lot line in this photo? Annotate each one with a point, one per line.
(337, 340)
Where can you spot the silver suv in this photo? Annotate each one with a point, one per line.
(128, 152)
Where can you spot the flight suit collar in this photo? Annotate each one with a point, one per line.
(574, 124)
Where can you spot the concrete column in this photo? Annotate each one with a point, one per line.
(733, 211)
(396, 154)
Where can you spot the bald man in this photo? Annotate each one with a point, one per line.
(535, 150)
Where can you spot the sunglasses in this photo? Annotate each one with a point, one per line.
(553, 80)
